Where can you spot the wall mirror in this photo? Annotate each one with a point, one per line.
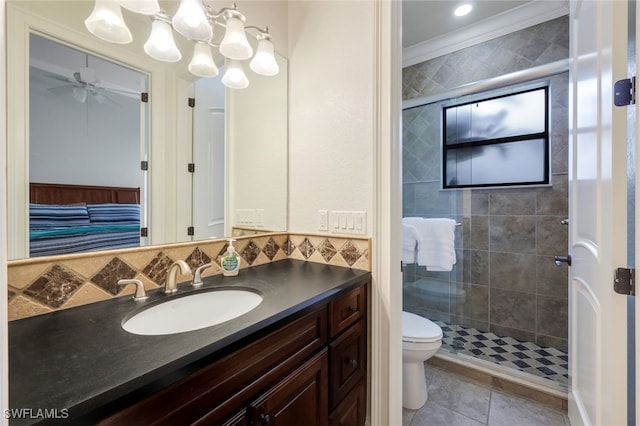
(240, 180)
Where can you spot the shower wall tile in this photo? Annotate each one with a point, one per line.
(552, 316)
(470, 301)
(408, 200)
(512, 234)
(552, 235)
(513, 271)
(513, 202)
(431, 201)
(512, 309)
(475, 267)
(479, 202)
(551, 278)
(554, 200)
(553, 342)
(479, 233)
(524, 335)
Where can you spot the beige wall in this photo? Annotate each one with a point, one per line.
(331, 109)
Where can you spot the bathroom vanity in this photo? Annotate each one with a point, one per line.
(301, 355)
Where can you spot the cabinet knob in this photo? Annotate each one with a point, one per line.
(352, 309)
(353, 363)
(264, 419)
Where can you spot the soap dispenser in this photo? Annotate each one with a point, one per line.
(230, 261)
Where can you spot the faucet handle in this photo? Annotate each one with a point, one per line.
(197, 277)
(141, 294)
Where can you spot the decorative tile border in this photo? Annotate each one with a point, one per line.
(47, 284)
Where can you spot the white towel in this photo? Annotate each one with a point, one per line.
(409, 241)
(436, 243)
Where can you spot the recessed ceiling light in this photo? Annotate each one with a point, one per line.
(463, 9)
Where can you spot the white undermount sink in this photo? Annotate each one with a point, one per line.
(192, 312)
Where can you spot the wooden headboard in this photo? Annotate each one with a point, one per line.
(55, 193)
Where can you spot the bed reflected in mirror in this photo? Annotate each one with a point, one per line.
(87, 139)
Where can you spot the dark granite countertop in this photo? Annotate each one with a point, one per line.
(80, 359)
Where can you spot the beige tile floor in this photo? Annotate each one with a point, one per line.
(457, 401)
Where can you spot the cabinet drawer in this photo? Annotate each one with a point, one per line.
(352, 410)
(220, 389)
(347, 310)
(347, 365)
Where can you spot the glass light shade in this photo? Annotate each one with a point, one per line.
(80, 94)
(234, 77)
(235, 45)
(191, 22)
(144, 7)
(202, 63)
(264, 63)
(106, 22)
(160, 45)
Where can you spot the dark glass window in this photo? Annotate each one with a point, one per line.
(499, 141)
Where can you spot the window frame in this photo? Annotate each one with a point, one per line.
(478, 98)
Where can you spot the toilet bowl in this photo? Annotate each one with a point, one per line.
(421, 339)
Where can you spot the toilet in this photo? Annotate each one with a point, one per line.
(421, 339)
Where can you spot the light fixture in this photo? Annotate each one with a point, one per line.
(234, 76)
(143, 7)
(264, 62)
(197, 22)
(106, 22)
(202, 63)
(235, 44)
(80, 94)
(463, 9)
(191, 22)
(160, 45)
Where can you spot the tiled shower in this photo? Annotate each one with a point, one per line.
(505, 300)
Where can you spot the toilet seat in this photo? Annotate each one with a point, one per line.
(419, 329)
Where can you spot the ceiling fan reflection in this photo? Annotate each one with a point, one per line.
(85, 85)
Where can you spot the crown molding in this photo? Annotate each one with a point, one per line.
(527, 15)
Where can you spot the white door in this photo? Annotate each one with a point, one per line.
(208, 156)
(597, 209)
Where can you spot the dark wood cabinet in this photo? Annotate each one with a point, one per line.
(312, 369)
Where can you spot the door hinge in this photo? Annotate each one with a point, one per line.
(192, 102)
(191, 167)
(144, 232)
(191, 231)
(144, 97)
(144, 165)
(625, 281)
(624, 92)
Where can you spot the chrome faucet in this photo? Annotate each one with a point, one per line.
(170, 282)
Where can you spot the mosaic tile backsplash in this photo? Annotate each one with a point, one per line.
(42, 285)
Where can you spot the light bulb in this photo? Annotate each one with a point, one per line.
(234, 77)
(144, 7)
(463, 9)
(160, 45)
(235, 45)
(202, 63)
(191, 21)
(106, 22)
(264, 62)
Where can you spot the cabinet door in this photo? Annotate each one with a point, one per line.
(352, 410)
(301, 398)
(348, 358)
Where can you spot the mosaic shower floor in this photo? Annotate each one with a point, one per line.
(549, 363)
